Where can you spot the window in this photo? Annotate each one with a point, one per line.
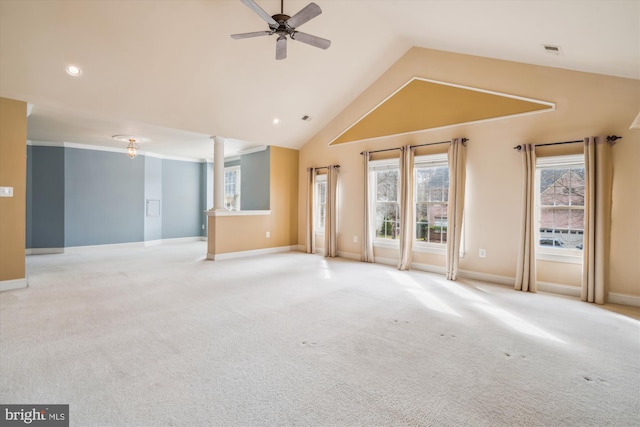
(320, 202)
(384, 193)
(232, 188)
(431, 196)
(560, 190)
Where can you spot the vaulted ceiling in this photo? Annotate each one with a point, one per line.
(168, 70)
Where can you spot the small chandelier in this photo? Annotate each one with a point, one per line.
(132, 141)
(132, 148)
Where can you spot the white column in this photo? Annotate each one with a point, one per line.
(218, 173)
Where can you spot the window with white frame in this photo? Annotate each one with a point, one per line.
(384, 204)
(232, 188)
(431, 198)
(560, 193)
(320, 202)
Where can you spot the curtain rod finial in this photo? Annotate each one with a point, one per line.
(613, 138)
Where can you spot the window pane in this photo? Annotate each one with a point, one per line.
(432, 193)
(387, 220)
(387, 185)
(561, 214)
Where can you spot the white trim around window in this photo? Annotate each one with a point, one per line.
(553, 254)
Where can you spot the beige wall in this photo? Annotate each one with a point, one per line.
(13, 173)
(586, 105)
(244, 233)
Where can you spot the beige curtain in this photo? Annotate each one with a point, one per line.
(526, 268)
(405, 185)
(598, 181)
(310, 233)
(455, 211)
(331, 217)
(367, 232)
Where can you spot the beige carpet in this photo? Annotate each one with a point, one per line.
(160, 337)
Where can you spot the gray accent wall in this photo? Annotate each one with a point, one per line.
(255, 172)
(45, 197)
(104, 194)
(81, 197)
(152, 193)
(181, 199)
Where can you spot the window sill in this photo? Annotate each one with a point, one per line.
(390, 244)
(565, 258)
(429, 249)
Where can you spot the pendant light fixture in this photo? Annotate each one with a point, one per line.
(132, 143)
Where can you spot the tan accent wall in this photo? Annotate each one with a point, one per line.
(13, 173)
(586, 105)
(244, 233)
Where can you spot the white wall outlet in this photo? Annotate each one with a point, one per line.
(482, 253)
(355, 239)
(6, 191)
(268, 234)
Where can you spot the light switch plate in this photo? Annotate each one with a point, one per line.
(6, 191)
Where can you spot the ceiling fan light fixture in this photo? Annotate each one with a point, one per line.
(284, 25)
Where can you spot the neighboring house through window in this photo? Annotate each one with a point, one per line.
(232, 188)
(560, 191)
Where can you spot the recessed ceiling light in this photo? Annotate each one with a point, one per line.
(276, 121)
(74, 70)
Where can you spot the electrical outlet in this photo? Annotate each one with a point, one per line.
(482, 253)
(268, 234)
(355, 239)
(6, 191)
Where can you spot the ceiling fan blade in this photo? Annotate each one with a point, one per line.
(264, 15)
(307, 13)
(312, 40)
(281, 48)
(249, 35)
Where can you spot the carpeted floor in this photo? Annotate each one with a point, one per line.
(160, 337)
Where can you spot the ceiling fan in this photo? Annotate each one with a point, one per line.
(285, 25)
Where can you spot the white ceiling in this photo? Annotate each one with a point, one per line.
(168, 70)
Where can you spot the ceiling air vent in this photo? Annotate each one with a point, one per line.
(553, 50)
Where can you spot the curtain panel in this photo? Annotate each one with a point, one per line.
(331, 217)
(597, 218)
(455, 210)
(406, 207)
(310, 233)
(526, 267)
(367, 232)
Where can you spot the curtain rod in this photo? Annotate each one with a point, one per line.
(323, 167)
(464, 140)
(610, 138)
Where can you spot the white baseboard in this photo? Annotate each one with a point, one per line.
(486, 277)
(556, 288)
(428, 268)
(9, 285)
(616, 298)
(349, 255)
(44, 251)
(255, 252)
(80, 249)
